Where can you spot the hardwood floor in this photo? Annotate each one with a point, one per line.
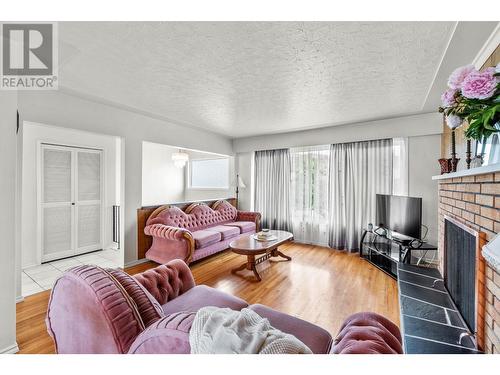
(320, 285)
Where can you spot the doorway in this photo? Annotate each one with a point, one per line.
(72, 211)
(70, 205)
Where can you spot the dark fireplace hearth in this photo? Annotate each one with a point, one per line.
(464, 274)
(460, 269)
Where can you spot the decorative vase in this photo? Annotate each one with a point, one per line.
(453, 164)
(445, 165)
(477, 161)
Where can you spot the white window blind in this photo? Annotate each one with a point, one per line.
(209, 173)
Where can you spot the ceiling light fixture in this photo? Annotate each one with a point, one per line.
(180, 159)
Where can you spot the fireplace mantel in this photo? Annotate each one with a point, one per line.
(491, 252)
(470, 172)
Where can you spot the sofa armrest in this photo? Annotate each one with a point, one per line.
(169, 335)
(167, 232)
(170, 233)
(249, 216)
(167, 281)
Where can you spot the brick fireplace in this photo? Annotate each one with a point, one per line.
(474, 201)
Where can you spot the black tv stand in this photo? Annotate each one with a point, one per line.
(403, 242)
(385, 253)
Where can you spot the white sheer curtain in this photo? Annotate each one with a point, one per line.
(400, 166)
(272, 188)
(358, 171)
(309, 194)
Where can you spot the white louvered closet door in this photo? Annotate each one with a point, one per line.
(56, 203)
(88, 201)
(71, 206)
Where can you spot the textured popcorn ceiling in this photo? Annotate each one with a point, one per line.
(247, 78)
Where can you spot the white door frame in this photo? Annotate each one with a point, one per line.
(39, 188)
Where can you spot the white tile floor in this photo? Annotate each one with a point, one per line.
(39, 278)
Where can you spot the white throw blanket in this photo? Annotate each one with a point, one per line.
(222, 330)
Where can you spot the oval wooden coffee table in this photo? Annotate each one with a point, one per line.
(251, 247)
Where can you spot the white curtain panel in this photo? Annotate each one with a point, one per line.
(358, 171)
(400, 166)
(309, 194)
(272, 188)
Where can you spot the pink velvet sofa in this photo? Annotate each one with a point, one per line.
(197, 232)
(95, 310)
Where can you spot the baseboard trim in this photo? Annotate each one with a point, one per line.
(19, 299)
(31, 265)
(136, 262)
(13, 349)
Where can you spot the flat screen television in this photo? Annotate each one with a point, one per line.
(401, 215)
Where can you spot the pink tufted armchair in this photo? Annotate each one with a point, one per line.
(94, 310)
(197, 232)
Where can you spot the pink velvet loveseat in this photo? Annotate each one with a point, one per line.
(197, 232)
(94, 310)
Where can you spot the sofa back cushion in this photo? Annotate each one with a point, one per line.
(90, 312)
(148, 307)
(167, 281)
(198, 216)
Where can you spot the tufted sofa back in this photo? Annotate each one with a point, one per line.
(199, 216)
(148, 307)
(368, 333)
(167, 281)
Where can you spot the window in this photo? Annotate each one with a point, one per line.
(209, 173)
(309, 193)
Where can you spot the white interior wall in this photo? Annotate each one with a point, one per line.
(33, 135)
(244, 167)
(423, 155)
(162, 181)
(64, 109)
(408, 126)
(119, 170)
(8, 218)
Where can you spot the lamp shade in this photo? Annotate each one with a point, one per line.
(240, 182)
